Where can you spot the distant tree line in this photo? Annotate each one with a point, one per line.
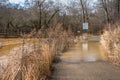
(42, 14)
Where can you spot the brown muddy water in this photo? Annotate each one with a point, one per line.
(85, 61)
(6, 49)
(6, 45)
(85, 51)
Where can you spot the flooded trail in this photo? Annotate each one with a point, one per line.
(85, 61)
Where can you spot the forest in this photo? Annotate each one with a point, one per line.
(16, 18)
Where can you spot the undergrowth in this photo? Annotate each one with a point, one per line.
(111, 42)
(36, 64)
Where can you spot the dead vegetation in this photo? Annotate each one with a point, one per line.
(111, 42)
(36, 63)
(1, 45)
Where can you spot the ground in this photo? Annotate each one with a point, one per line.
(72, 67)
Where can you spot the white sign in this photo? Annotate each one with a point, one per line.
(85, 26)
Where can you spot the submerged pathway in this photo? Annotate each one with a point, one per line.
(85, 61)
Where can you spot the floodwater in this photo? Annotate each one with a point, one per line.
(85, 51)
(85, 61)
(6, 49)
(6, 45)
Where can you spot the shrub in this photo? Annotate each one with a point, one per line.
(34, 62)
(111, 42)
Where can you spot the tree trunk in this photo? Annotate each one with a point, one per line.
(83, 11)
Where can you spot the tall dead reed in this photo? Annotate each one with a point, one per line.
(36, 64)
(111, 42)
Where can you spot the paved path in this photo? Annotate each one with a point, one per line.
(72, 67)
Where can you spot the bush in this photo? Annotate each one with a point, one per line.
(36, 64)
(111, 42)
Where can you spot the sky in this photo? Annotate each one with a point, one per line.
(16, 1)
(22, 1)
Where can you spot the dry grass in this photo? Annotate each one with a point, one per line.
(111, 41)
(36, 64)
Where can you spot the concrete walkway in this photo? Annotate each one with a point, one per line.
(74, 67)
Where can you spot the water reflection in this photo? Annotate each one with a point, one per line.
(90, 51)
(85, 51)
(85, 46)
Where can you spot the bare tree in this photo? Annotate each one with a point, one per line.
(83, 10)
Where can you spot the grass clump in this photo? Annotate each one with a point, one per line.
(111, 42)
(34, 62)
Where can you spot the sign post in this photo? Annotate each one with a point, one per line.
(85, 27)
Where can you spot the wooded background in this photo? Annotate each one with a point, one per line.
(42, 14)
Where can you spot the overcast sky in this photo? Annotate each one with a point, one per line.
(16, 1)
(22, 1)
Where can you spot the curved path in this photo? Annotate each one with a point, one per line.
(85, 61)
